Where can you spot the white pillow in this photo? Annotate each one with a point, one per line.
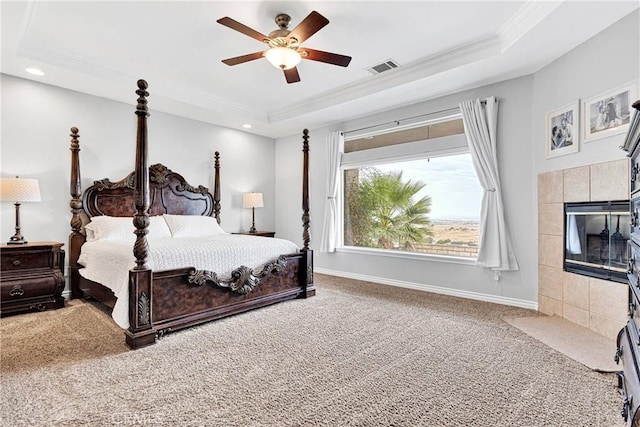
(110, 228)
(193, 225)
(121, 228)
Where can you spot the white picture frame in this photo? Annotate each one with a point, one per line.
(608, 113)
(563, 130)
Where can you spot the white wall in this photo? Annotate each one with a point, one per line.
(36, 119)
(604, 62)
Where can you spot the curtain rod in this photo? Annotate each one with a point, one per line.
(397, 122)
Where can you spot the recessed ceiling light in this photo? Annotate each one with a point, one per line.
(247, 125)
(35, 71)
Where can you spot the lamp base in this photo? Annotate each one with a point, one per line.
(253, 230)
(17, 240)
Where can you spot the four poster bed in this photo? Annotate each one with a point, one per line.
(164, 290)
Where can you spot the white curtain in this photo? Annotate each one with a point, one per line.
(480, 119)
(335, 148)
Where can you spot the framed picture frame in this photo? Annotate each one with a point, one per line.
(608, 113)
(563, 130)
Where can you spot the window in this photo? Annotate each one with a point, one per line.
(412, 190)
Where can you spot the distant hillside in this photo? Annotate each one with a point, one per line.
(456, 231)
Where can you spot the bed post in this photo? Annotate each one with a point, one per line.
(141, 332)
(216, 186)
(307, 253)
(76, 238)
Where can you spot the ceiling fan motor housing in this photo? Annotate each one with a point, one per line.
(282, 20)
(279, 35)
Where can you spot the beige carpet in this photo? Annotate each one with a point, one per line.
(581, 344)
(357, 354)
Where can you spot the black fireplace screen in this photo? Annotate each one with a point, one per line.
(596, 237)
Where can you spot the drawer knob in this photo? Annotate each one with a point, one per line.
(632, 308)
(16, 291)
(618, 354)
(634, 172)
(16, 262)
(626, 407)
(37, 307)
(634, 218)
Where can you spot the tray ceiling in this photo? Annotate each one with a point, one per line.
(102, 48)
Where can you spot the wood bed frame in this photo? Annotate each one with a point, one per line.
(169, 300)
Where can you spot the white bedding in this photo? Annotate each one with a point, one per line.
(108, 261)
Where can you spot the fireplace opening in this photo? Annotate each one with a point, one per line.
(596, 235)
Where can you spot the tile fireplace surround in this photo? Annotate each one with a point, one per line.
(599, 305)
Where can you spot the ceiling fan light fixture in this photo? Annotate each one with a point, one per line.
(283, 58)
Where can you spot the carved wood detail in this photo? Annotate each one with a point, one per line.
(75, 188)
(216, 187)
(242, 280)
(76, 238)
(305, 190)
(141, 185)
(169, 193)
(144, 310)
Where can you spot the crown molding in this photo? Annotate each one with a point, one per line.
(175, 92)
(41, 51)
(420, 69)
(521, 23)
(525, 20)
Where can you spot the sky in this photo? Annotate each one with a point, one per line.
(451, 182)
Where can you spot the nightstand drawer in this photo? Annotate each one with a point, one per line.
(25, 260)
(32, 277)
(29, 287)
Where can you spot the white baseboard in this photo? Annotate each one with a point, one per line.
(532, 305)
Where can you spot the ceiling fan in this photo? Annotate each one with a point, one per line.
(284, 50)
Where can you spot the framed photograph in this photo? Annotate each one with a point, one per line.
(608, 113)
(563, 128)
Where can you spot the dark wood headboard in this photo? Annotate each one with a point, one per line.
(168, 193)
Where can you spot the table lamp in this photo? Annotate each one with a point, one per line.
(253, 201)
(19, 190)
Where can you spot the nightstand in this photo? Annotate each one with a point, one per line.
(32, 277)
(259, 233)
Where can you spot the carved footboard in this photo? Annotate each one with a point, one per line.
(187, 297)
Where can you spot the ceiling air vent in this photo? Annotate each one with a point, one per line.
(387, 65)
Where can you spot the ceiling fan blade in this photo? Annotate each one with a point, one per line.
(235, 25)
(328, 57)
(292, 75)
(244, 58)
(308, 26)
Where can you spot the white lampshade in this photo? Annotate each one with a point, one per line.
(19, 190)
(252, 200)
(283, 58)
